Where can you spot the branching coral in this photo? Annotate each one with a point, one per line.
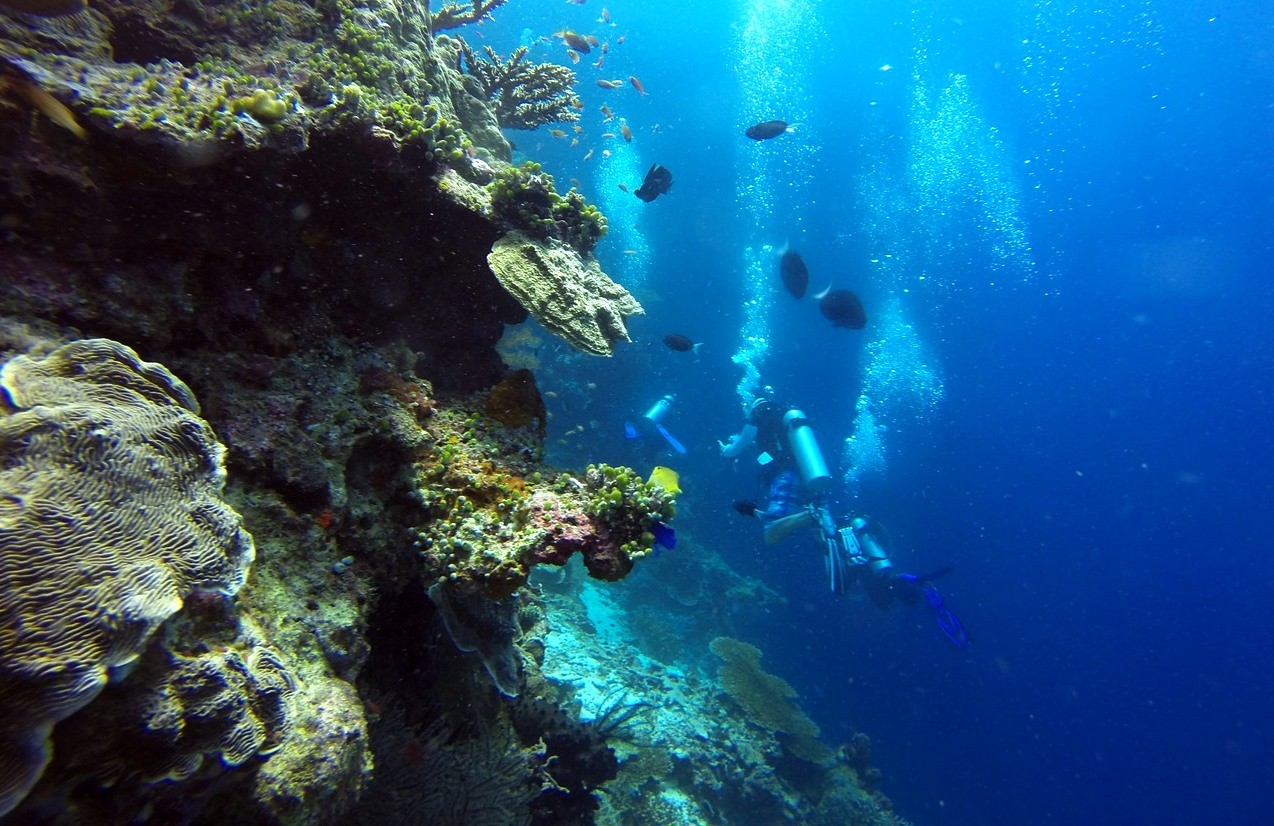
(525, 95)
(429, 773)
(453, 15)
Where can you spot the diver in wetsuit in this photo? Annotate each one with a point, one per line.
(797, 478)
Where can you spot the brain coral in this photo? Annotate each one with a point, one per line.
(110, 517)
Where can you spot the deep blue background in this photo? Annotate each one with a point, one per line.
(1099, 468)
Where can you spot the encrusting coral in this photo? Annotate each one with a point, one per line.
(525, 198)
(491, 515)
(524, 95)
(110, 517)
(568, 295)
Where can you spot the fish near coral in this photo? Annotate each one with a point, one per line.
(44, 103)
(666, 478)
(575, 41)
(641, 90)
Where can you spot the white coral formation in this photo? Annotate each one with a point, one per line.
(110, 516)
(568, 294)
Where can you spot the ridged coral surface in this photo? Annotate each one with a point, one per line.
(569, 295)
(110, 516)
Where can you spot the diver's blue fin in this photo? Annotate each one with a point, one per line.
(947, 621)
(664, 535)
(672, 440)
(630, 431)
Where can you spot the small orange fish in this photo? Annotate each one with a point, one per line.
(608, 134)
(557, 133)
(574, 142)
(610, 84)
(623, 187)
(655, 128)
(620, 41)
(626, 132)
(592, 40)
(605, 47)
(605, 15)
(605, 153)
(606, 112)
(641, 90)
(573, 55)
(575, 183)
(589, 155)
(599, 62)
(579, 130)
(630, 252)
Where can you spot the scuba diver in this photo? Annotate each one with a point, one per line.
(650, 424)
(797, 478)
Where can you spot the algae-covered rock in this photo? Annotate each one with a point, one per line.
(567, 293)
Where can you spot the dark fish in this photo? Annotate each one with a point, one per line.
(796, 276)
(843, 309)
(769, 129)
(681, 344)
(658, 182)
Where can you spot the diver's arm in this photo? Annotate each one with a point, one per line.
(739, 442)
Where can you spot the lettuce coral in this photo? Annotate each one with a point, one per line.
(567, 294)
(110, 517)
(765, 698)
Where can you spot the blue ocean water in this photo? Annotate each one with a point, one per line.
(1058, 218)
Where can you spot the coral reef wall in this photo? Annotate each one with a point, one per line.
(269, 499)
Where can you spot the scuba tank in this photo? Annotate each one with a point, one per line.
(659, 409)
(809, 459)
(869, 550)
(649, 422)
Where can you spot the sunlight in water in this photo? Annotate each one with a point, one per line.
(966, 192)
(902, 383)
(771, 70)
(627, 247)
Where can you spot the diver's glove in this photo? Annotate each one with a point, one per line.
(745, 508)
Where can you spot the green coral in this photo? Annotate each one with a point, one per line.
(628, 506)
(524, 95)
(525, 198)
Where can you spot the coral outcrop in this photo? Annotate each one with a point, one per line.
(110, 518)
(178, 102)
(568, 295)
